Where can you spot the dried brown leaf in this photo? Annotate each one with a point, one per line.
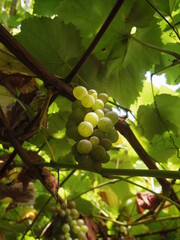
(147, 200)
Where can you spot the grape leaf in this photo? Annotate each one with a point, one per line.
(167, 117)
(61, 43)
(45, 7)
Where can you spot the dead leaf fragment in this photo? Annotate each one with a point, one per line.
(147, 200)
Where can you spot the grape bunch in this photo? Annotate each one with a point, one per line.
(91, 125)
(68, 224)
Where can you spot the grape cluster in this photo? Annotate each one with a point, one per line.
(91, 125)
(71, 226)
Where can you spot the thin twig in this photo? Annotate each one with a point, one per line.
(31, 225)
(95, 41)
(171, 26)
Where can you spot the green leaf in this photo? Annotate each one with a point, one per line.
(152, 122)
(6, 98)
(141, 14)
(52, 42)
(46, 7)
(161, 148)
(166, 6)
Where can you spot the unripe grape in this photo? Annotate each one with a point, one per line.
(68, 218)
(77, 115)
(62, 213)
(92, 118)
(64, 205)
(94, 140)
(99, 104)
(71, 204)
(106, 143)
(105, 124)
(65, 227)
(86, 162)
(113, 116)
(97, 166)
(84, 146)
(84, 229)
(98, 153)
(98, 133)
(81, 235)
(93, 93)
(79, 92)
(88, 101)
(100, 113)
(106, 158)
(104, 97)
(73, 133)
(74, 213)
(73, 223)
(80, 222)
(113, 135)
(85, 129)
(67, 211)
(76, 229)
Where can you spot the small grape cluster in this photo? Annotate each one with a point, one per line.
(91, 125)
(71, 226)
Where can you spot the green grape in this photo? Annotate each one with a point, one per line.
(85, 129)
(71, 204)
(88, 101)
(80, 222)
(98, 133)
(62, 213)
(73, 223)
(79, 92)
(97, 166)
(86, 162)
(94, 140)
(77, 104)
(99, 104)
(106, 143)
(72, 133)
(84, 228)
(92, 118)
(77, 115)
(93, 93)
(76, 229)
(113, 135)
(64, 205)
(105, 110)
(81, 235)
(74, 213)
(67, 235)
(113, 116)
(75, 152)
(61, 237)
(104, 97)
(67, 211)
(100, 113)
(106, 158)
(68, 218)
(84, 146)
(65, 227)
(105, 124)
(98, 153)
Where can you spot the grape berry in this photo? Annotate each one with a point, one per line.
(91, 125)
(68, 225)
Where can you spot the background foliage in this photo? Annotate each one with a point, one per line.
(142, 37)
